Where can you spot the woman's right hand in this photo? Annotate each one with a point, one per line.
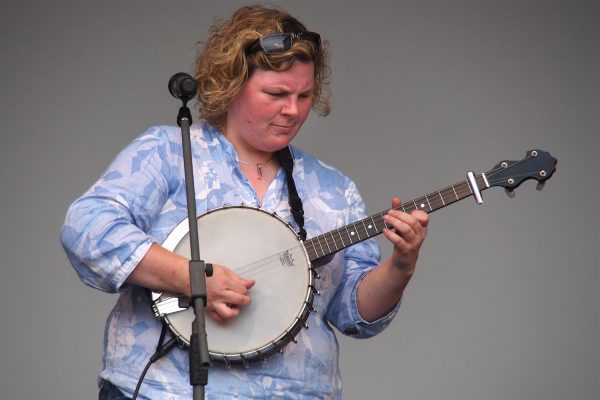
(226, 292)
(163, 270)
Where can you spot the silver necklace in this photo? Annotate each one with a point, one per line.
(257, 165)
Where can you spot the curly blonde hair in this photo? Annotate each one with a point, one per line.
(223, 67)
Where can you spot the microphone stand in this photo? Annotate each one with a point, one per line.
(199, 357)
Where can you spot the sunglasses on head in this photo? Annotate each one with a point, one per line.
(276, 43)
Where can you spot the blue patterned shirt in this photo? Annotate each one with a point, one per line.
(141, 198)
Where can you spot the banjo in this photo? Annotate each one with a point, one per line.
(280, 261)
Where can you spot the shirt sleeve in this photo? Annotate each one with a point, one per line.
(104, 230)
(359, 259)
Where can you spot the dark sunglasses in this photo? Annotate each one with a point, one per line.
(280, 42)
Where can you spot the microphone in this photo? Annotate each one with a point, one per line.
(183, 87)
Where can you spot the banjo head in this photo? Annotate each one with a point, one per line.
(255, 245)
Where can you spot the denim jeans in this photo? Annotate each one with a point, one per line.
(108, 391)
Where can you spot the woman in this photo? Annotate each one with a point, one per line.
(260, 74)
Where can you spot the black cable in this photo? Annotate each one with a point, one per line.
(160, 352)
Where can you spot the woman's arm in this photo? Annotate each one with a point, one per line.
(382, 287)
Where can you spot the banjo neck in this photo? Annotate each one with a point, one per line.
(341, 238)
(537, 165)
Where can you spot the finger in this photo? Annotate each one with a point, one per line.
(405, 225)
(396, 202)
(248, 283)
(211, 312)
(240, 285)
(421, 216)
(228, 274)
(397, 241)
(417, 220)
(401, 215)
(226, 312)
(236, 299)
(236, 283)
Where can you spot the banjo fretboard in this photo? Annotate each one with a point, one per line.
(338, 239)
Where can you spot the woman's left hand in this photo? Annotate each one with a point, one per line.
(407, 232)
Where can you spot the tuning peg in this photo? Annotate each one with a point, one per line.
(510, 193)
(540, 186)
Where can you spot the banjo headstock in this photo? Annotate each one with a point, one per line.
(537, 164)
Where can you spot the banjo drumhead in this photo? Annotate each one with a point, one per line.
(255, 245)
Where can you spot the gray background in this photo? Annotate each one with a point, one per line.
(504, 304)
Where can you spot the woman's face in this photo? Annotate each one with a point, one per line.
(269, 111)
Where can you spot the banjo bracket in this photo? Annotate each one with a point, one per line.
(315, 273)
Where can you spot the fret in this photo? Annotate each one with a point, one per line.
(385, 224)
(366, 230)
(442, 198)
(374, 225)
(316, 251)
(449, 195)
(481, 182)
(430, 208)
(334, 242)
(310, 248)
(357, 232)
(354, 233)
(349, 233)
(455, 192)
(327, 244)
(341, 238)
(320, 245)
(433, 201)
(370, 227)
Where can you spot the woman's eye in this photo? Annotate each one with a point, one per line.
(276, 94)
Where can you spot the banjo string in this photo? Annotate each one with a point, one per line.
(267, 263)
(259, 266)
